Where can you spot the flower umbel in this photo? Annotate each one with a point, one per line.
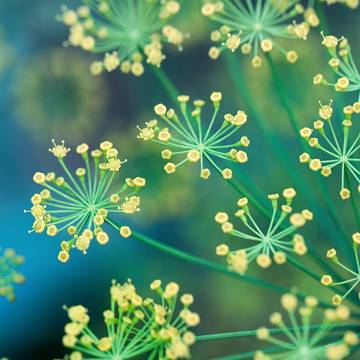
(352, 4)
(353, 280)
(300, 341)
(274, 242)
(125, 31)
(9, 276)
(80, 202)
(342, 64)
(253, 28)
(339, 153)
(194, 140)
(136, 326)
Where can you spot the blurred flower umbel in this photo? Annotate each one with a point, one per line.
(196, 141)
(136, 326)
(9, 276)
(126, 31)
(301, 340)
(342, 64)
(80, 203)
(54, 95)
(274, 243)
(352, 4)
(255, 28)
(353, 282)
(338, 153)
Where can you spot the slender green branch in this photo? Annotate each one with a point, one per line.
(166, 83)
(273, 331)
(248, 354)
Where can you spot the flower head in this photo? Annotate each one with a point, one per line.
(9, 276)
(300, 340)
(272, 244)
(336, 152)
(352, 281)
(126, 32)
(254, 29)
(136, 326)
(342, 64)
(192, 140)
(81, 202)
(352, 4)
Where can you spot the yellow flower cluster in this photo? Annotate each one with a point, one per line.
(352, 4)
(196, 140)
(303, 340)
(9, 276)
(342, 64)
(126, 32)
(252, 29)
(342, 154)
(136, 326)
(274, 243)
(353, 282)
(81, 203)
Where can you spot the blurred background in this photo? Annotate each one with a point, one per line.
(47, 92)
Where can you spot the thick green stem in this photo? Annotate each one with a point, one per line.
(274, 331)
(166, 83)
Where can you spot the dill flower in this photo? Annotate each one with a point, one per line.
(9, 275)
(352, 4)
(192, 140)
(54, 97)
(126, 32)
(353, 275)
(253, 29)
(271, 244)
(342, 64)
(299, 340)
(135, 325)
(337, 153)
(79, 203)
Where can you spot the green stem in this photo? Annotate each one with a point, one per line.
(248, 354)
(166, 83)
(274, 331)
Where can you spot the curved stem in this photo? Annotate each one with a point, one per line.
(166, 83)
